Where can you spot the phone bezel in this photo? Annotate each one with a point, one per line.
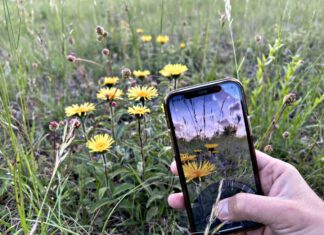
(175, 148)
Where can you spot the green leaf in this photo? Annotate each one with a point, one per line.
(153, 211)
(122, 188)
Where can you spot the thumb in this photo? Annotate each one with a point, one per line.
(257, 208)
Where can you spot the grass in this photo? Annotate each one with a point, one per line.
(37, 83)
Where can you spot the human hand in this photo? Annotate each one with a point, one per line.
(290, 206)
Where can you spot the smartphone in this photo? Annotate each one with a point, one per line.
(213, 149)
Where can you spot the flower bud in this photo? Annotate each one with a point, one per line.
(114, 104)
(75, 122)
(53, 125)
(105, 51)
(100, 30)
(126, 73)
(290, 99)
(268, 148)
(71, 58)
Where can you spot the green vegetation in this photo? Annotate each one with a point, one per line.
(64, 189)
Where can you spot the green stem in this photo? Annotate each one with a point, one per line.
(112, 120)
(105, 166)
(141, 145)
(260, 144)
(174, 83)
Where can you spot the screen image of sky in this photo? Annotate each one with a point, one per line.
(206, 116)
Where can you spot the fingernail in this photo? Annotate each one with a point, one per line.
(222, 212)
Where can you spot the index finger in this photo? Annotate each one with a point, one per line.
(174, 168)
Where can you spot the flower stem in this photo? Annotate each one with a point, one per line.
(112, 120)
(174, 83)
(141, 145)
(54, 143)
(88, 61)
(105, 166)
(84, 129)
(267, 136)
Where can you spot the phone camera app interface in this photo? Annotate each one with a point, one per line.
(214, 150)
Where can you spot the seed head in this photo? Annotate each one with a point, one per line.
(285, 135)
(290, 99)
(268, 148)
(71, 40)
(34, 66)
(258, 38)
(105, 34)
(126, 73)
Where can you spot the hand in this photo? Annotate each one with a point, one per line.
(290, 206)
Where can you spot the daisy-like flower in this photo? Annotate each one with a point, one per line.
(109, 94)
(100, 143)
(141, 74)
(193, 170)
(146, 38)
(162, 39)
(109, 81)
(211, 147)
(142, 93)
(182, 45)
(138, 111)
(80, 110)
(173, 70)
(139, 30)
(185, 157)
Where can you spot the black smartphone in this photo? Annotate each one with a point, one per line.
(213, 150)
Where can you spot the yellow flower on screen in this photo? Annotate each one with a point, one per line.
(193, 170)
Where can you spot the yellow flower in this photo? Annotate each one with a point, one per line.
(173, 70)
(192, 170)
(162, 39)
(109, 94)
(146, 38)
(142, 93)
(182, 45)
(141, 74)
(211, 147)
(110, 81)
(79, 110)
(138, 111)
(197, 150)
(185, 157)
(139, 30)
(100, 143)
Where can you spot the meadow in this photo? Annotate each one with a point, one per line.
(54, 54)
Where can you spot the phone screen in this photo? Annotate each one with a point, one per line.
(212, 141)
